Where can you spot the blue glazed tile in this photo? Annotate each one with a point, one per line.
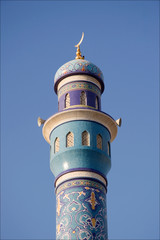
(81, 211)
(79, 66)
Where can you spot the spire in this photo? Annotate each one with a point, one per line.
(78, 53)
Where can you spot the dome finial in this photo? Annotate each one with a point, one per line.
(78, 53)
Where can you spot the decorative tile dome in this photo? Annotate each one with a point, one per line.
(78, 66)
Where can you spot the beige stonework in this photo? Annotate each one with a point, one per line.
(79, 174)
(75, 78)
(79, 114)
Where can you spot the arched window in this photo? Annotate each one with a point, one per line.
(83, 98)
(85, 138)
(56, 145)
(67, 100)
(97, 103)
(99, 141)
(109, 148)
(70, 140)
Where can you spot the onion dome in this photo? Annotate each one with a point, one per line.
(78, 66)
(75, 67)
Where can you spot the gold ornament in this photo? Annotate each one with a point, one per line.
(78, 53)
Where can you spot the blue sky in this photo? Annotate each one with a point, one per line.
(122, 39)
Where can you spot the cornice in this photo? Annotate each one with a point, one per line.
(79, 114)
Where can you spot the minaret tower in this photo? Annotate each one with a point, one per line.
(80, 153)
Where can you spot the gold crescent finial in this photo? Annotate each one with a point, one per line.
(80, 40)
(78, 53)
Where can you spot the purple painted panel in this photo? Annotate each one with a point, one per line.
(91, 98)
(75, 99)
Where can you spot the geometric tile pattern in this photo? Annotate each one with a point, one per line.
(56, 145)
(67, 100)
(79, 86)
(99, 141)
(83, 98)
(85, 138)
(70, 140)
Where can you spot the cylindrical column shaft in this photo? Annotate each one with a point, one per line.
(81, 210)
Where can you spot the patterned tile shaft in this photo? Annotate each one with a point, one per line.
(81, 210)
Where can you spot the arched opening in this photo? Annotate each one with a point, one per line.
(97, 103)
(56, 145)
(67, 100)
(85, 138)
(70, 140)
(99, 141)
(83, 98)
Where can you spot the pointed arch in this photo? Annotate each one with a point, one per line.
(99, 141)
(85, 138)
(70, 139)
(56, 145)
(83, 98)
(97, 103)
(67, 100)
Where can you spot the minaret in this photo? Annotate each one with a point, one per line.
(80, 152)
